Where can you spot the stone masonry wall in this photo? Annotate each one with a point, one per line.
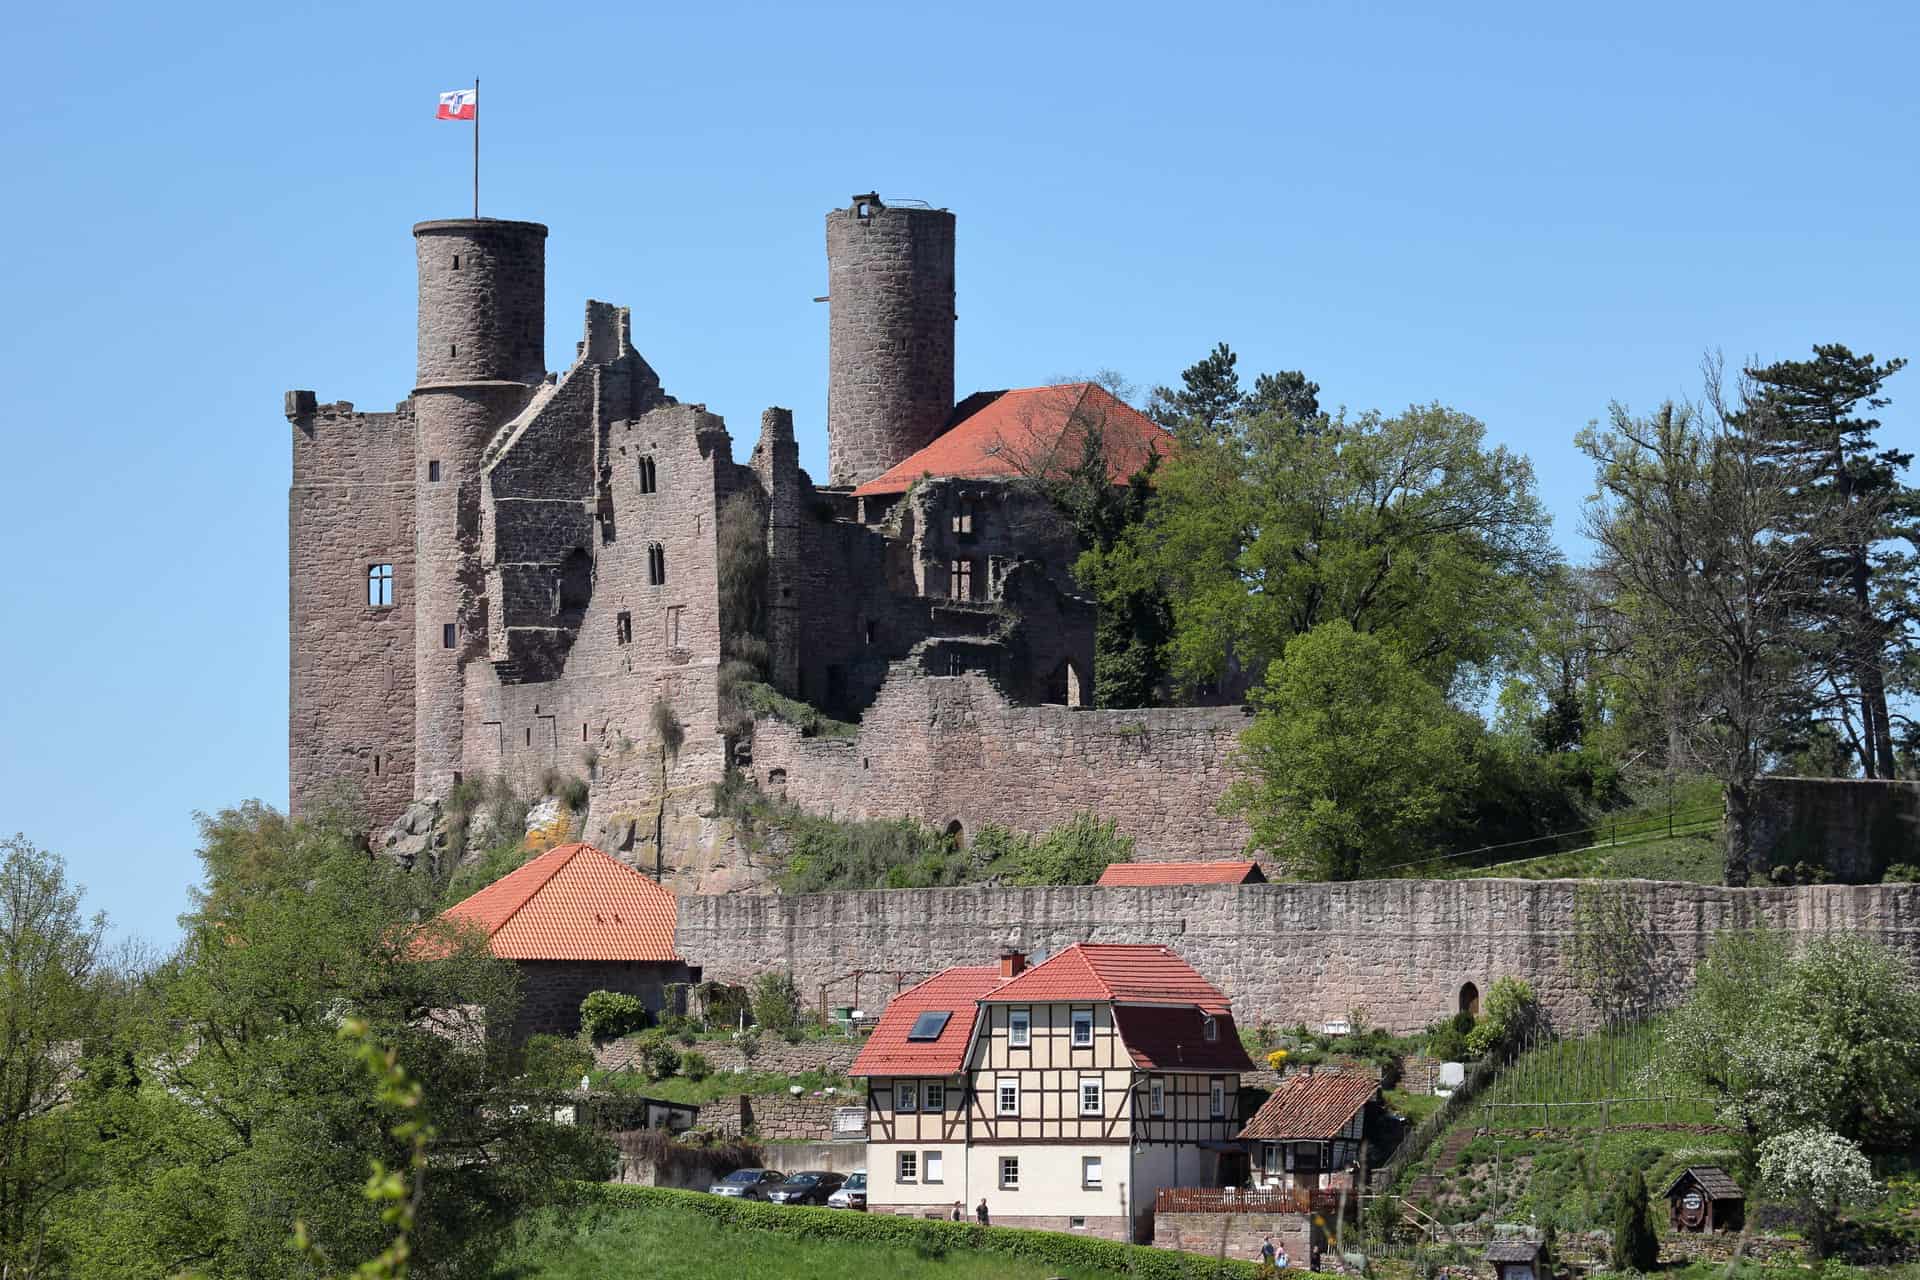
(1235, 1235)
(350, 507)
(1284, 953)
(551, 990)
(1854, 827)
(949, 749)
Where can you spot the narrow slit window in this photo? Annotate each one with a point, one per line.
(456, 262)
(376, 766)
(656, 565)
(379, 585)
(623, 628)
(433, 469)
(449, 635)
(649, 477)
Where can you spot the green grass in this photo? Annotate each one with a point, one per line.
(810, 720)
(723, 1084)
(1693, 857)
(1414, 1106)
(678, 1244)
(1571, 1076)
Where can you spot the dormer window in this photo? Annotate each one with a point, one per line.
(1209, 1028)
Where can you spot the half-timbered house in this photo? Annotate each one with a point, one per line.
(1064, 1095)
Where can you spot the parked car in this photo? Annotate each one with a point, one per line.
(852, 1193)
(809, 1186)
(749, 1184)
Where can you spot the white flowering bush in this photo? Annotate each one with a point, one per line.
(1820, 1171)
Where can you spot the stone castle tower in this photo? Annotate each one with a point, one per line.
(890, 335)
(482, 352)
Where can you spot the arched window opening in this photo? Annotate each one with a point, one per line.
(656, 564)
(574, 587)
(649, 478)
(1470, 999)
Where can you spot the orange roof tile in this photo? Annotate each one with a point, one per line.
(888, 1051)
(1132, 973)
(573, 903)
(1155, 873)
(1034, 428)
(1311, 1106)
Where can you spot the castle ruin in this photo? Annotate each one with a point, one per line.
(516, 571)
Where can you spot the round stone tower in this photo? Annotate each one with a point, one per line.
(482, 352)
(890, 335)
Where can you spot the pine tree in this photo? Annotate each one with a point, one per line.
(1635, 1246)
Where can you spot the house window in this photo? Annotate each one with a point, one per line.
(936, 1099)
(1157, 1097)
(960, 581)
(930, 1167)
(1008, 1091)
(1090, 1172)
(656, 564)
(906, 1097)
(1019, 1028)
(1217, 1098)
(1209, 1029)
(623, 627)
(1090, 1095)
(1009, 1173)
(1076, 1224)
(907, 1167)
(379, 585)
(449, 635)
(1082, 1028)
(649, 478)
(433, 469)
(963, 520)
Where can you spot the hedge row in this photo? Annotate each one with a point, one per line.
(933, 1239)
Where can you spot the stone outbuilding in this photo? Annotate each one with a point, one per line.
(1308, 1134)
(1704, 1198)
(1515, 1259)
(575, 920)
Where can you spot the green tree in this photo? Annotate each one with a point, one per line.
(50, 961)
(776, 1003)
(1635, 1246)
(1864, 524)
(243, 1109)
(1351, 758)
(1074, 853)
(1407, 527)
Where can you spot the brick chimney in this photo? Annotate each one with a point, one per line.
(1012, 963)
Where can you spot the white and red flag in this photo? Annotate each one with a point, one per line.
(459, 104)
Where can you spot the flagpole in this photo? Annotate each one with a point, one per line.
(476, 148)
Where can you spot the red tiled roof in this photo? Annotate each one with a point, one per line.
(1129, 973)
(573, 903)
(1315, 1106)
(1164, 1039)
(1034, 428)
(889, 1052)
(1154, 873)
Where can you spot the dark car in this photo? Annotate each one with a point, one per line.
(809, 1186)
(749, 1184)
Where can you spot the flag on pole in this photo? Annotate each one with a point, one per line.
(459, 104)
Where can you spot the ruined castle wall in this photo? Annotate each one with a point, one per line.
(1853, 827)
(949, 749)
(1284, 953)
(350, 507)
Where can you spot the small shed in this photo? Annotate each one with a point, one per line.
(1515, 1259)
(1704, 1198)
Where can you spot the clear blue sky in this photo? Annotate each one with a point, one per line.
(1522, 211)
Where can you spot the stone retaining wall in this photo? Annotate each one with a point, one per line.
(1234, 1235)
(1401, 950)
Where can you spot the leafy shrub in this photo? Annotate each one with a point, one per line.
(474, 876)
(555, 1062)
(694, 1066)
(657, 1058)
(1510, 1013)
(573, 793)
(1901, 873)
(667, 726)
(605, 1015)
(550, 779)
(1054, 1250)
(1447, 1042)
(776, 1003)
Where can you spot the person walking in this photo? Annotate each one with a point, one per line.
(1280, 1258)
(959, 1213)
(980, 1212)
(1266, 1250)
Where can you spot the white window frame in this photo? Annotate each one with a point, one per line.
(1090, 1173)
(1217, 1098)
(906, 1167)
(1009, 1165)
(1001, 1088)
(1019, 1028)
(1099, 1088)
(933, 1169)
(934, 1096)
(906, 1097)
(1081, 1018)
(1157, 1096)
(1209, 1028)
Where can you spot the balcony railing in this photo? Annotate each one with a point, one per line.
(1250, 1200)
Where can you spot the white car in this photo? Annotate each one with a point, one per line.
(852, 1193)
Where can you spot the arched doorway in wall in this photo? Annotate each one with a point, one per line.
(1470, 999)
(957, 834)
